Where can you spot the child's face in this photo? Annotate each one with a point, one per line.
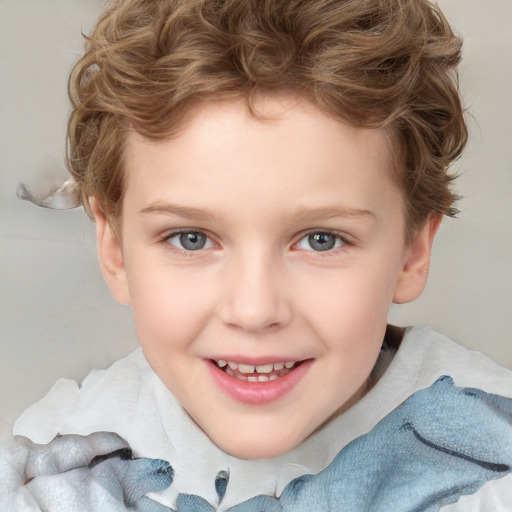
(261, 244)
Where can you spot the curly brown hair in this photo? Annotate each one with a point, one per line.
(372, 63)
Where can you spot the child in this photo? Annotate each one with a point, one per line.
(267, 177)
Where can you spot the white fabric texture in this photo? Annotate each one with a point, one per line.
(130, 400)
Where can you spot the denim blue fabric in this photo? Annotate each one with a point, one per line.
(441, 443)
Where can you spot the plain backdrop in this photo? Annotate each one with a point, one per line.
(57, 318)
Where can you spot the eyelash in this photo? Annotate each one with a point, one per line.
(341, 242)
(339, 239)
(185, 252)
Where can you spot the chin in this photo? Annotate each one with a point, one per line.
(256, 449)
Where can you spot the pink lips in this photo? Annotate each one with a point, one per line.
(258, 393)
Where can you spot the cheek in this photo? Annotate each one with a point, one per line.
(167, 308)
(351, 305)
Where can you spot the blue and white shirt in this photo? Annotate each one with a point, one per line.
(435, 432)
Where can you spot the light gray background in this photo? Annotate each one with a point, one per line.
(57, 318)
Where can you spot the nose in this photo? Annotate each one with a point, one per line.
(255, 294)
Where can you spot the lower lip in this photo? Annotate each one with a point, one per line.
(258, 393)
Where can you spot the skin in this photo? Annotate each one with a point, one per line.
(259, 290)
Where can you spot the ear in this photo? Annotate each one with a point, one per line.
(110, 252)
(414, 274)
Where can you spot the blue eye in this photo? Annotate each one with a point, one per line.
(320, 241)
(190, 240)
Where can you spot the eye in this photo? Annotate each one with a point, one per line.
(321, 241)
(189, 240)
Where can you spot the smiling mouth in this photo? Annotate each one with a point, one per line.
(256, 373)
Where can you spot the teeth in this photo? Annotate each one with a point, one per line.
(246, 368)
(229, 372)
(263, 369)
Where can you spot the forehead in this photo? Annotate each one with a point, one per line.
(291, 150)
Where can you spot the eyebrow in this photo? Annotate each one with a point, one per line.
(329, 212)
(303, 212)
(177, 210)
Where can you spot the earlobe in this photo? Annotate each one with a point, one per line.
(110, 253)
(414, 273)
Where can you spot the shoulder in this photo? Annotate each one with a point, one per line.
(435, 355)
(109, 392)
(431, 356)
(442, 424)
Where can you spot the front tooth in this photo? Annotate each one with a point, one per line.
(264, 368)
(289, 364)
(246, 368)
